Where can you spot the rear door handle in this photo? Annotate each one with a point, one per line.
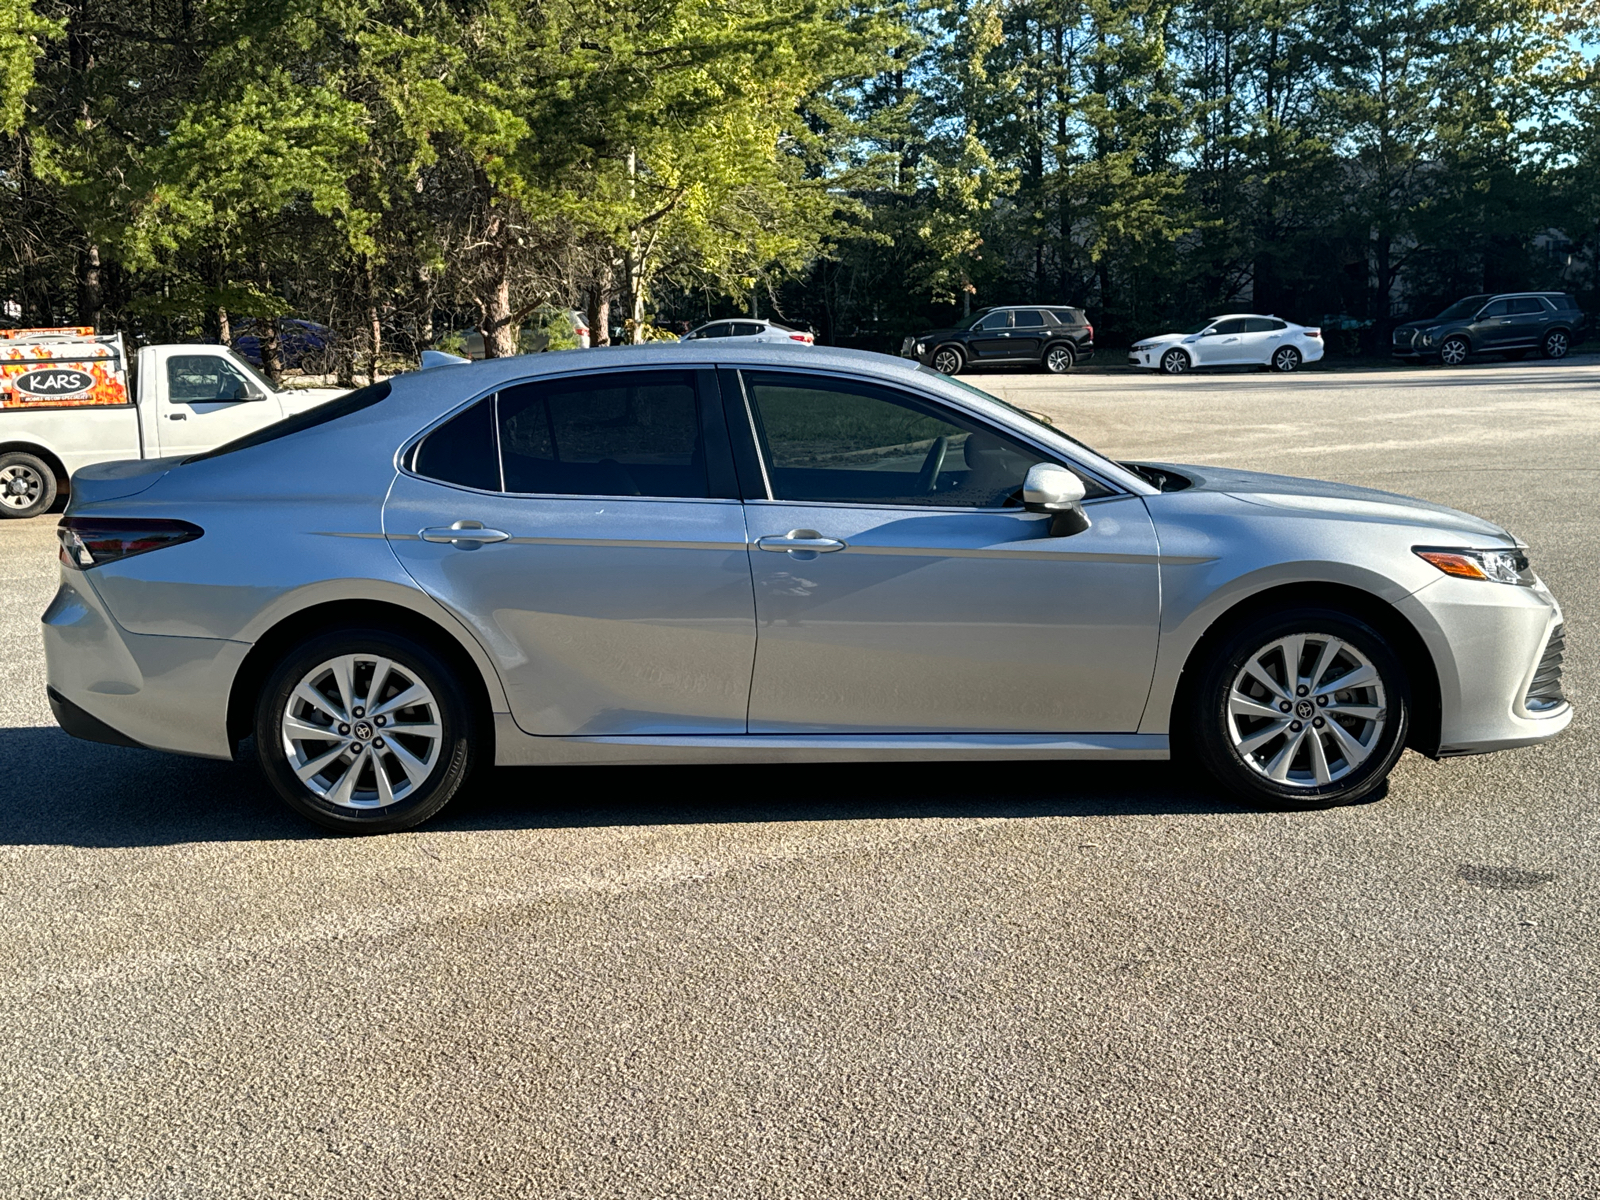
(464, 535)
(807, 541)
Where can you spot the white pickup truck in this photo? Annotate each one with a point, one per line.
(67, 400)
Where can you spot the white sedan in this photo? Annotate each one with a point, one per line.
(1238, 339)
(750, 329)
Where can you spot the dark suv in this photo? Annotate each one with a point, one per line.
(1510, 323)
(1031, 335)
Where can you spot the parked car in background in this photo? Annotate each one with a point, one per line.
(68, 400)
(1231, 340)
(1511, 324)
(1052, 338)
(753, 329)
(727, 551)
(300, 344)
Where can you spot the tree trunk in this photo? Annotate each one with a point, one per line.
(374, 329)
(224, 327)
(600, 304)
(271, 363)
(89, 286)
(499, 338)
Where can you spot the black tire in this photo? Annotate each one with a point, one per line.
(1555, 344)
(1286, 359)
(1454, 351)
(456, 753)
(947, 360)
(1222, 739)
(1175, 362)
(1058, 359)
(27, 485)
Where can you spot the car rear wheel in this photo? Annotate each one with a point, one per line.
(27, 485)
(364, 731)
(1058, 359)
(1175, 362)
(1454, 351)
(1556, 344)
(1303, 708)
(947, 360)
(1286, 359)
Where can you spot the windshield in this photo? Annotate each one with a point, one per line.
(1202, 327)
(1462, 308)
(267, 385)
(1031, 417)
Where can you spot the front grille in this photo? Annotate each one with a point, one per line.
(1402, 337)
(1544, 693)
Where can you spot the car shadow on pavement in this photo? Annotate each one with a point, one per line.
(60, 791)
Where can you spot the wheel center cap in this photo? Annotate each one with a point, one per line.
(362, 730)
(1305, 710)
(18, 486)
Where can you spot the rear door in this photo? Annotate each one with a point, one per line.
(204, 399)
(588, 529)
(1028, 333)
(1222, 344)
(1261, 337)
(1525, 322)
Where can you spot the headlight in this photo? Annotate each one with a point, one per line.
(922, 347)
(1501, 566)
(1140, 346)
(1427, 337)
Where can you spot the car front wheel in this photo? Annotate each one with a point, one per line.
(1555, 344)
(1454, 351)
(1174, 362)
(1286, 359)
(947, 360)
(364, 731)
(1304, 708)
(27, 485)
(1058, 360)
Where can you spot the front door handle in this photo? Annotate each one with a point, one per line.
(464, 535)
(177, 416)
(799, 541)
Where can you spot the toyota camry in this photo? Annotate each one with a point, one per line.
(751, 553)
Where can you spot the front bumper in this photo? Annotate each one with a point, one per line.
(1489, 642)
(109, 685)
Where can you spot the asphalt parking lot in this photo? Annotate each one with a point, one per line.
(1023, 981)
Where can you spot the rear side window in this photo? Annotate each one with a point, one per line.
(1527, 304)
(1263, 325)
(352, 402)
(1028, 318)
(636, 433)
(747, 329)
(462, 450)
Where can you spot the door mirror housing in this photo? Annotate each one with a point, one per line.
(1052, 489)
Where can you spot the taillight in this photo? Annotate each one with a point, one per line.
(94, 541)
(1314, 333)
(1090, 328)
(802, 337)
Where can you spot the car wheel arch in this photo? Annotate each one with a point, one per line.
(49, 458)
(1422, 672)
(483, 690)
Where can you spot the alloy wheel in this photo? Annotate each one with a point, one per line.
(362, 731)
(1555, 345)
(1286, 358)
(1454, 352)
(1058, 360)
(1306, 710)
(1174, 362)
(947, 361)
(21, 486)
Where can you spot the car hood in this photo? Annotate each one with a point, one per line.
(1321, 498)
(1162, 338)
(938, 333)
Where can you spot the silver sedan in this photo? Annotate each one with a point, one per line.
(704, 552)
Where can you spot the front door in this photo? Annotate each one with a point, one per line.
(899, 588)
(991, 341)
(1492, 328)
(204, 400)
(599, 555)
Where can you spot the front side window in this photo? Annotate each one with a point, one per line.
(199, 378)
(842, 442)
(1496, 308)
(996, 320)
(1228, 328)
(631, 433)
(722, 329)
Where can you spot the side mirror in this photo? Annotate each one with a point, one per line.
(1057, 491)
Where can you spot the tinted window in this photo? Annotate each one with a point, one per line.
(1027, 318)
(1527, 304)
(1228, 328)
(747, 329)
(837, 441)
(1263, 325)
(1496, 308)
(1068, 316)
(624, 434)
(462, 450)
(196, 378)
(720, 330)
(1562, 301)
(996, 320)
